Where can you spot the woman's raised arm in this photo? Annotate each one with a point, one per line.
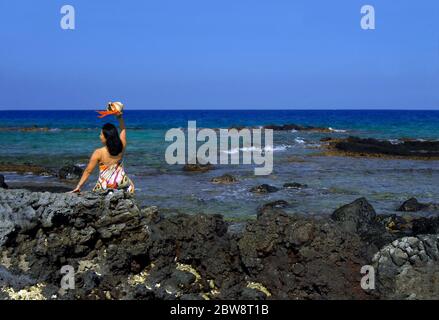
(123, 131)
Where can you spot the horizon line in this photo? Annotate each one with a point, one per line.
(239, 109)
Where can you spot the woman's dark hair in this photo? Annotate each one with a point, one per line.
(114, 144)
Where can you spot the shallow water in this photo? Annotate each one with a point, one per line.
(331, 181)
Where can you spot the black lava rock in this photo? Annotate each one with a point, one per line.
(264, 188)
(70, 172)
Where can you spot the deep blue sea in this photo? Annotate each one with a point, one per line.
(383, 123)
(69, 137)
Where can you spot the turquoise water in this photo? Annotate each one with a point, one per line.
(69, 137)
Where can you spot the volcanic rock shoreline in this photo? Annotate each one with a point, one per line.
(121, 251)
(369, 147)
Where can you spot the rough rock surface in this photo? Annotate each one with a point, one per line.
(2, 182)
(397, 225)
(300, 258)
(370, 146)
(286, 127)
(25, 168)
(120, 251)
(198, 167)
(224, 179)
(264, 188)
(296, 127)
(408, 268)
(359, 217)
(294, 185)
(413, 205)
(423, 225)
(273, 206)
(70, 172)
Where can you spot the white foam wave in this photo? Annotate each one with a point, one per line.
(395, 141)
(337, 130)
(256, 149)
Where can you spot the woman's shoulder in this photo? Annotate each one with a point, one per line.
(99, 152)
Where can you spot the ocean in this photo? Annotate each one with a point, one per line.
(57, 138)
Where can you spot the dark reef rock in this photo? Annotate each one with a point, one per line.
(302, 258)
(412, 205)
(360, 217)
(424, 225)
(408, 268)
(25, 168)
(286, 127)
(33, 128)
(264, 188)
(416, 149)
(120, 251)
(114, 247)
(224, 179)
(198, 167)
(396, 224)
(294, 185)
(289, 127)
(401, 226)
(43, 187)
(2, 182)
(272, 206)
(355, 217)
(70, 172)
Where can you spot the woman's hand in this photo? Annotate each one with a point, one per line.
(76, 190)
(94, 160)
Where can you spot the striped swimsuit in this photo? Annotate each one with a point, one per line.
(113, 177)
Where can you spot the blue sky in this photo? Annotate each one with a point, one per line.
(211, 54)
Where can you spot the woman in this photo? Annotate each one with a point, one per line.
(109, 158)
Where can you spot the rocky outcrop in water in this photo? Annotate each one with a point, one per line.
(70, 172)
(412, 205)
(273, 206)
(33, 128)
(296, 127)
(198, 167)
(3, 184)
(224, 179)
(294, 185)
(286, 127)
(25, 168)
(374, 147)
(264, 188)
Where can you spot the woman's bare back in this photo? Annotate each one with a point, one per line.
(106, 158)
